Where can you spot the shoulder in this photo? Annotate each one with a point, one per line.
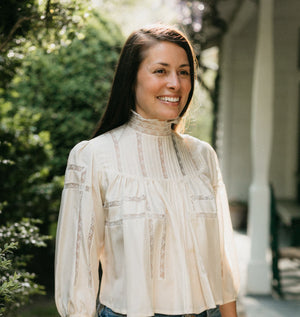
(100, 146)
(80, 153)
(198, 146)
(204, 152)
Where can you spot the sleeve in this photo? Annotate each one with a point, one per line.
(80, 236)
(230, 268)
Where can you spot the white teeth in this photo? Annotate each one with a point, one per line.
(169, 99)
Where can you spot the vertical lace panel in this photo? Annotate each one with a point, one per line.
(90, 239)
(78, 237)
(163, 252)
(162, 158)
(117, 151)
(75, 180)
(141, 154)
(151, 243)
(179, 159)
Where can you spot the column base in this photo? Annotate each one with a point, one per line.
(259, 278)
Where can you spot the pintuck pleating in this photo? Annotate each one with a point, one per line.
(150, 204)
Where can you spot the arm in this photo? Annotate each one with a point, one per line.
(79, 236)
(228, 310)
(230, 270)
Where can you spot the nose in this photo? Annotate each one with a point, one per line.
(173, 81)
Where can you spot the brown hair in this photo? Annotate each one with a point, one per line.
(122, 95)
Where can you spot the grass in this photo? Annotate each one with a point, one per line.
(40, 307)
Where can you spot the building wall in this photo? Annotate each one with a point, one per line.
(238, 68)
(236, 146)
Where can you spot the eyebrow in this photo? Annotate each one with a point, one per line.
(166, 64)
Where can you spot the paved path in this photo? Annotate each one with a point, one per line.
(259, 306)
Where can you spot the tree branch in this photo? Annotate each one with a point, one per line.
(13, 31)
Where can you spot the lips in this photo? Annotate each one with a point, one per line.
(169, 99)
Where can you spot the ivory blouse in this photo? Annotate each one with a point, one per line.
(150, 204)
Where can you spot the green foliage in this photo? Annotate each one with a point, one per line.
(16, 284)
(27, 189)
(54, 100)
(69, 85)
(15, 21)
(40, 307)
(24, 164)
(34, 22)
(57, 60)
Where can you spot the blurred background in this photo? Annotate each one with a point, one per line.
(57, 60)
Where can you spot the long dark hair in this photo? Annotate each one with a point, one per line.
(122, 95)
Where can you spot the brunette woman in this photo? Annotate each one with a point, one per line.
(147, 202)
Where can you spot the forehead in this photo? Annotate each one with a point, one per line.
(163, 51)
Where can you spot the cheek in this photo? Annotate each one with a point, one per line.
(187, 88)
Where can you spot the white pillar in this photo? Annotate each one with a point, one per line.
(225, 111)
(261, 138)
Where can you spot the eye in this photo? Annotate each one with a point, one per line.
(159, 71)
(184, 72)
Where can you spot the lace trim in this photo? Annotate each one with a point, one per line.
(202, 197)
(163, 252)
(178, 156)
(151, 244)
(81, 188)
(77, 186)
(78, 239)
(162, 158)
(118, 222)
(115, 203)
(90, 238)
(140, 153)
(75, 167)
(151, 126)
(113, 223)
(117, 150)
(133, 216)
(72, 186)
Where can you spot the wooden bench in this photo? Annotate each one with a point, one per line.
(289, 216)
(283, 281)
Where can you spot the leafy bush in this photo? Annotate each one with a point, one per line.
(16, 284)
(27, 189)
(24, 165)
(68, 84)
(56, 72)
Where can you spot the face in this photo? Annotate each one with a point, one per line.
(163, 82)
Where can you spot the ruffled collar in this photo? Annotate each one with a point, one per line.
(151, 126)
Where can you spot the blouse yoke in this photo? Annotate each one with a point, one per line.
(150, 205)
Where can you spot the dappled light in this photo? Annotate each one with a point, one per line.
(57, 64)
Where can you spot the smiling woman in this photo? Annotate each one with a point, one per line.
(147, 202)
(163, 82)
(123, 93)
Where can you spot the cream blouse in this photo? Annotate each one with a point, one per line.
(151, 205)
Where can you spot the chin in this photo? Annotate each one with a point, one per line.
(169, 116)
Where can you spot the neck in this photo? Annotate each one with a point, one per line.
(151, 126)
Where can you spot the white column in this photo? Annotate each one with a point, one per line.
(224, 116)
(261, 137)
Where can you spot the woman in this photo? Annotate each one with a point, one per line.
(146, 201)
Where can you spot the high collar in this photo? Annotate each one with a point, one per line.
(151, 126)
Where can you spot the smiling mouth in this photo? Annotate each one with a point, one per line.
(169, 99)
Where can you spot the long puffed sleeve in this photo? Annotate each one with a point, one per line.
(230, 270)
(80, 236)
